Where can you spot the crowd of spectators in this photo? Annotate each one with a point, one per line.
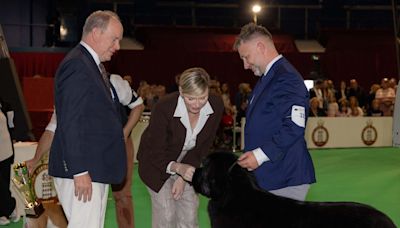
(346, 100)
(352, 100)
(349, 99)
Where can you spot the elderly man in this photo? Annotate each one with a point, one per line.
(88, 150)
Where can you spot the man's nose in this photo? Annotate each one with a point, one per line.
(246, 65)
(117, 45)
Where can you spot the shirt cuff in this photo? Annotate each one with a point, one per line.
(10, 118)
(52, 125)
(169, 168)
(81, 174)
(261, 157)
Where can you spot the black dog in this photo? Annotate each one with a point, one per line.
(237, 201)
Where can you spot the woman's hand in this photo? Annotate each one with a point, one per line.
(177, 188)
(184, 170)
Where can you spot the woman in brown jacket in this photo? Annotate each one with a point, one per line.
(181, 131)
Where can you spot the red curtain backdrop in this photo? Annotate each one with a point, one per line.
(29, 64)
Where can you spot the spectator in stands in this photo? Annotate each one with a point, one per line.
(333, 107)
(393, 84)
(241, 100)
(326, 90)
(214, 87)
(358, 92)
(386, 97)
(8, 209)
(226, 98)
(355, 109)
(315, 110)
(159, 91)
(330, 88)
(142, 85)
(374, 109)
(146, 93)
(341, 94)
(371, 95)
(181, 131)
(344, 110)
(316, 91)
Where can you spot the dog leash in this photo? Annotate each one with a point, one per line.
(233, 165)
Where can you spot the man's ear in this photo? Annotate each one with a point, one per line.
(180, 91)
(261, 47)
(95, 33)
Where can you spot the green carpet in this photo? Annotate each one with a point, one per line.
(366, 175)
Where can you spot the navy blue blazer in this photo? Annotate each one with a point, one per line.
(269, 126)
(89, 135)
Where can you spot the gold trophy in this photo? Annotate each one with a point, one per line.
(23, 184)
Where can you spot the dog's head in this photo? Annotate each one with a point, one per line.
(218, 174)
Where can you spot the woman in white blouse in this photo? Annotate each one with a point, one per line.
(181, 131)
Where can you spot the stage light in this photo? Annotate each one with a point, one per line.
(256, 9)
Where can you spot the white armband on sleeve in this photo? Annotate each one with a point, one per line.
(261, 157)
(298, 115)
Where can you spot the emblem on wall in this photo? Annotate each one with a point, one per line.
(320, 134)
(369, 134)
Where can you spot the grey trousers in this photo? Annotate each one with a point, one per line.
(170, 213)
(298, 192)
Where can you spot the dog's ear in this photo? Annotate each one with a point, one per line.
(200, 184)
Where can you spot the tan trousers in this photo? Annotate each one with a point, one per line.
(170, 213)
(122, 193)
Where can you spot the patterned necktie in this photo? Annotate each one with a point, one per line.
(105, 76)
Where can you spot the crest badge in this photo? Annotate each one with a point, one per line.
(320, 134)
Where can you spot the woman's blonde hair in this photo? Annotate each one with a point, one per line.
(194, 81)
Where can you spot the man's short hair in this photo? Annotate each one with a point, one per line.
(249, 32)
(98, 19)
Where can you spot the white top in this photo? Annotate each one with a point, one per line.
(191, 135)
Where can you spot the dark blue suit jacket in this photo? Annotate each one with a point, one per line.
(269, 126)
(89, 135)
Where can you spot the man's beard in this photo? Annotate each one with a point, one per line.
(257, 71)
